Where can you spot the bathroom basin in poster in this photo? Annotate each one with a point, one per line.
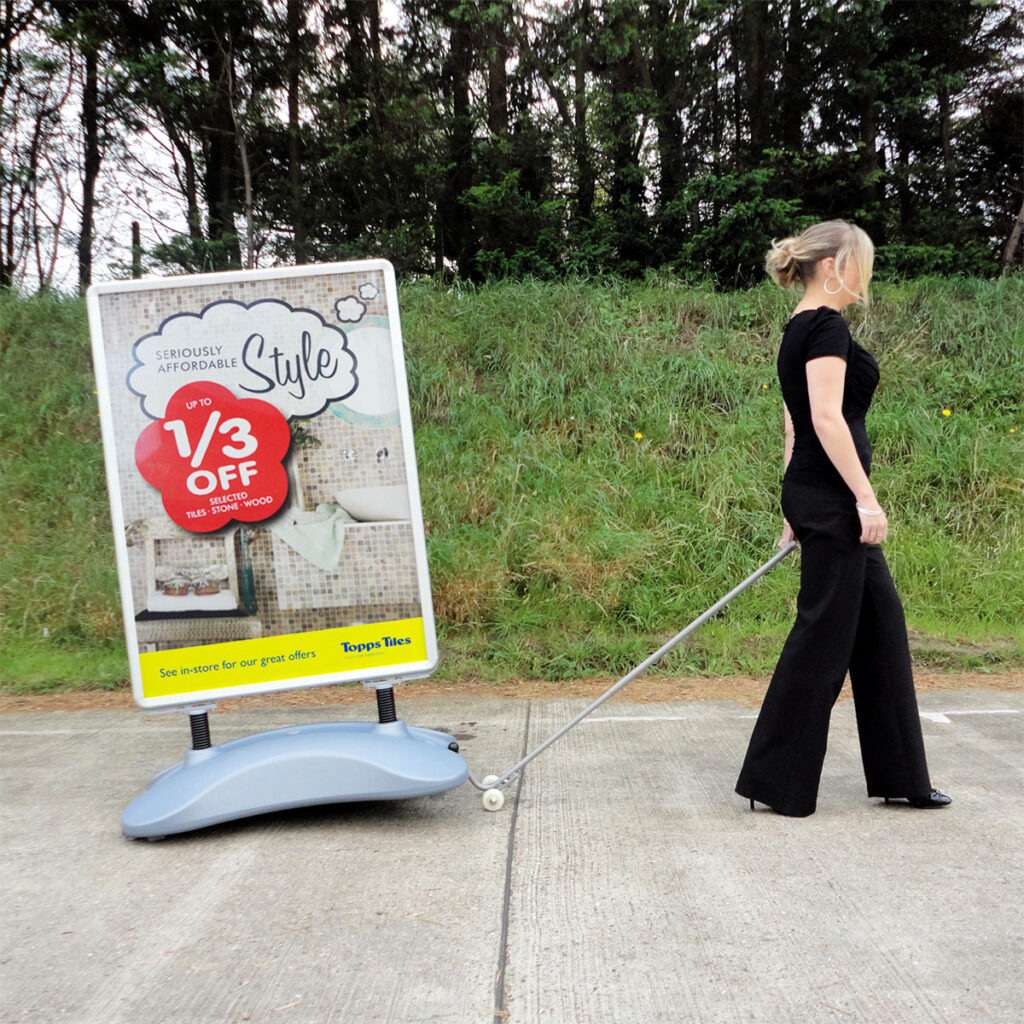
(262, 477)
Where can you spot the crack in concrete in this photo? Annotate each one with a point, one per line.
(500, 1012)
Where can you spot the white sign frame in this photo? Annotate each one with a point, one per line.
(120, 319)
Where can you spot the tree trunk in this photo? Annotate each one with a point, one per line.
(792, 91)
(716, 145)
(457, 235)
(868, 165)
(190, 186)
(375, 84)
(243, 156)
(946, 137)
(581, 142)
(755, 75)
(7, 262)
(91, 164)
(294, 16)
(136, 250)
(737, 106)
(355, 49)
(627, 185)
(904, 193)
(221, 149)
(1013, 244)
(497, 76)
(667, 116)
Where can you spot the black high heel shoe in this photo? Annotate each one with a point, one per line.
(775, 810)
(933, 799)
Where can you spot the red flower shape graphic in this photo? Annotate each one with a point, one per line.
(215, 457)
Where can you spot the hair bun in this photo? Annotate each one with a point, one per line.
(782, 264)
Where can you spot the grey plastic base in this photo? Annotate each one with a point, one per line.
(333, 762)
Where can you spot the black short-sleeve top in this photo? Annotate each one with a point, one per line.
(810, 335)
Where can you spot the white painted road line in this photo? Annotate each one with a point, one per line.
(942, 717)
(641, 718)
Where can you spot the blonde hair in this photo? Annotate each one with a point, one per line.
(794, 260)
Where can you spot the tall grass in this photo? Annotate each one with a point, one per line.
(563, 543)
(61, 619)
(599, 462)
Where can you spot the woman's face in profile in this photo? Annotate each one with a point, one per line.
(850, 275)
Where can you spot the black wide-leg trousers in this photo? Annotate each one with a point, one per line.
(849, 618)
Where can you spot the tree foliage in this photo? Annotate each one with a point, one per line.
(493, 138)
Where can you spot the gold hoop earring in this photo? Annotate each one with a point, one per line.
(828, 291)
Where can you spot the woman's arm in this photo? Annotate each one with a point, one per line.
(826, 378)
(787, 454)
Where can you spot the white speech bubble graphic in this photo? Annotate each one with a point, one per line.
(289, 357)
(368, 291)
(349, 309)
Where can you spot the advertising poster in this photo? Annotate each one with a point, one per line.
(263, 484)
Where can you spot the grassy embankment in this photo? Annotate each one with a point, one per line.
(599, 463)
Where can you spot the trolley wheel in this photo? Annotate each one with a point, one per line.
(494, 800)
(490, 781)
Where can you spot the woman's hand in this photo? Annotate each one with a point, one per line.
(874, 526)
(787, 534)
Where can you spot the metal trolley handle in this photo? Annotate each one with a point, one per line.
(491, 785)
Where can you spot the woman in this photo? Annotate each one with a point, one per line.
(849, 616)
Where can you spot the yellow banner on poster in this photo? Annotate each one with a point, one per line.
(290, 656)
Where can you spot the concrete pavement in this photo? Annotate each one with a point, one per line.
(623, 881)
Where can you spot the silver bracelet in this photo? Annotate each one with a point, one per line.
(870, 511)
